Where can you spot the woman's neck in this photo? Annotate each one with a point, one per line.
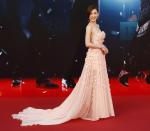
(93, 23)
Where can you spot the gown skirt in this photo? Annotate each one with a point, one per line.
(89, 100)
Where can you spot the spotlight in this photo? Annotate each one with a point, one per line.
(27, 33)
(3, 58)
(49, 11)
(1, 27)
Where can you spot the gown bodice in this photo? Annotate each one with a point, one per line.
(97, 37)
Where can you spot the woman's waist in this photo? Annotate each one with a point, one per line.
(94, 51)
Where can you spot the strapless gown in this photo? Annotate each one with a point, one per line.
(89, 100)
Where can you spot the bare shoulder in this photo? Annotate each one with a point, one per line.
(89, 26)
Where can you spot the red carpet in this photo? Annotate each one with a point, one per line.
(132, 114)
(29, 88)
(132, 107)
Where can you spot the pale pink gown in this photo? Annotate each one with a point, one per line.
(90, 99)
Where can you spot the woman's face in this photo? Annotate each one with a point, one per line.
(94, 15)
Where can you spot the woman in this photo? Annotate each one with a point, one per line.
(91, 98)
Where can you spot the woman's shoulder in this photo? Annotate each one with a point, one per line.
(89, 26)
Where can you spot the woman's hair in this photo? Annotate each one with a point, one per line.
(90, 8)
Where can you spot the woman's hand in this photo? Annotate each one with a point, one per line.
(104, 50)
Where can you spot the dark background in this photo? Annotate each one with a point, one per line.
(48, 35)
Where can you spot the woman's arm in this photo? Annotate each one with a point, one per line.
(91, 45)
